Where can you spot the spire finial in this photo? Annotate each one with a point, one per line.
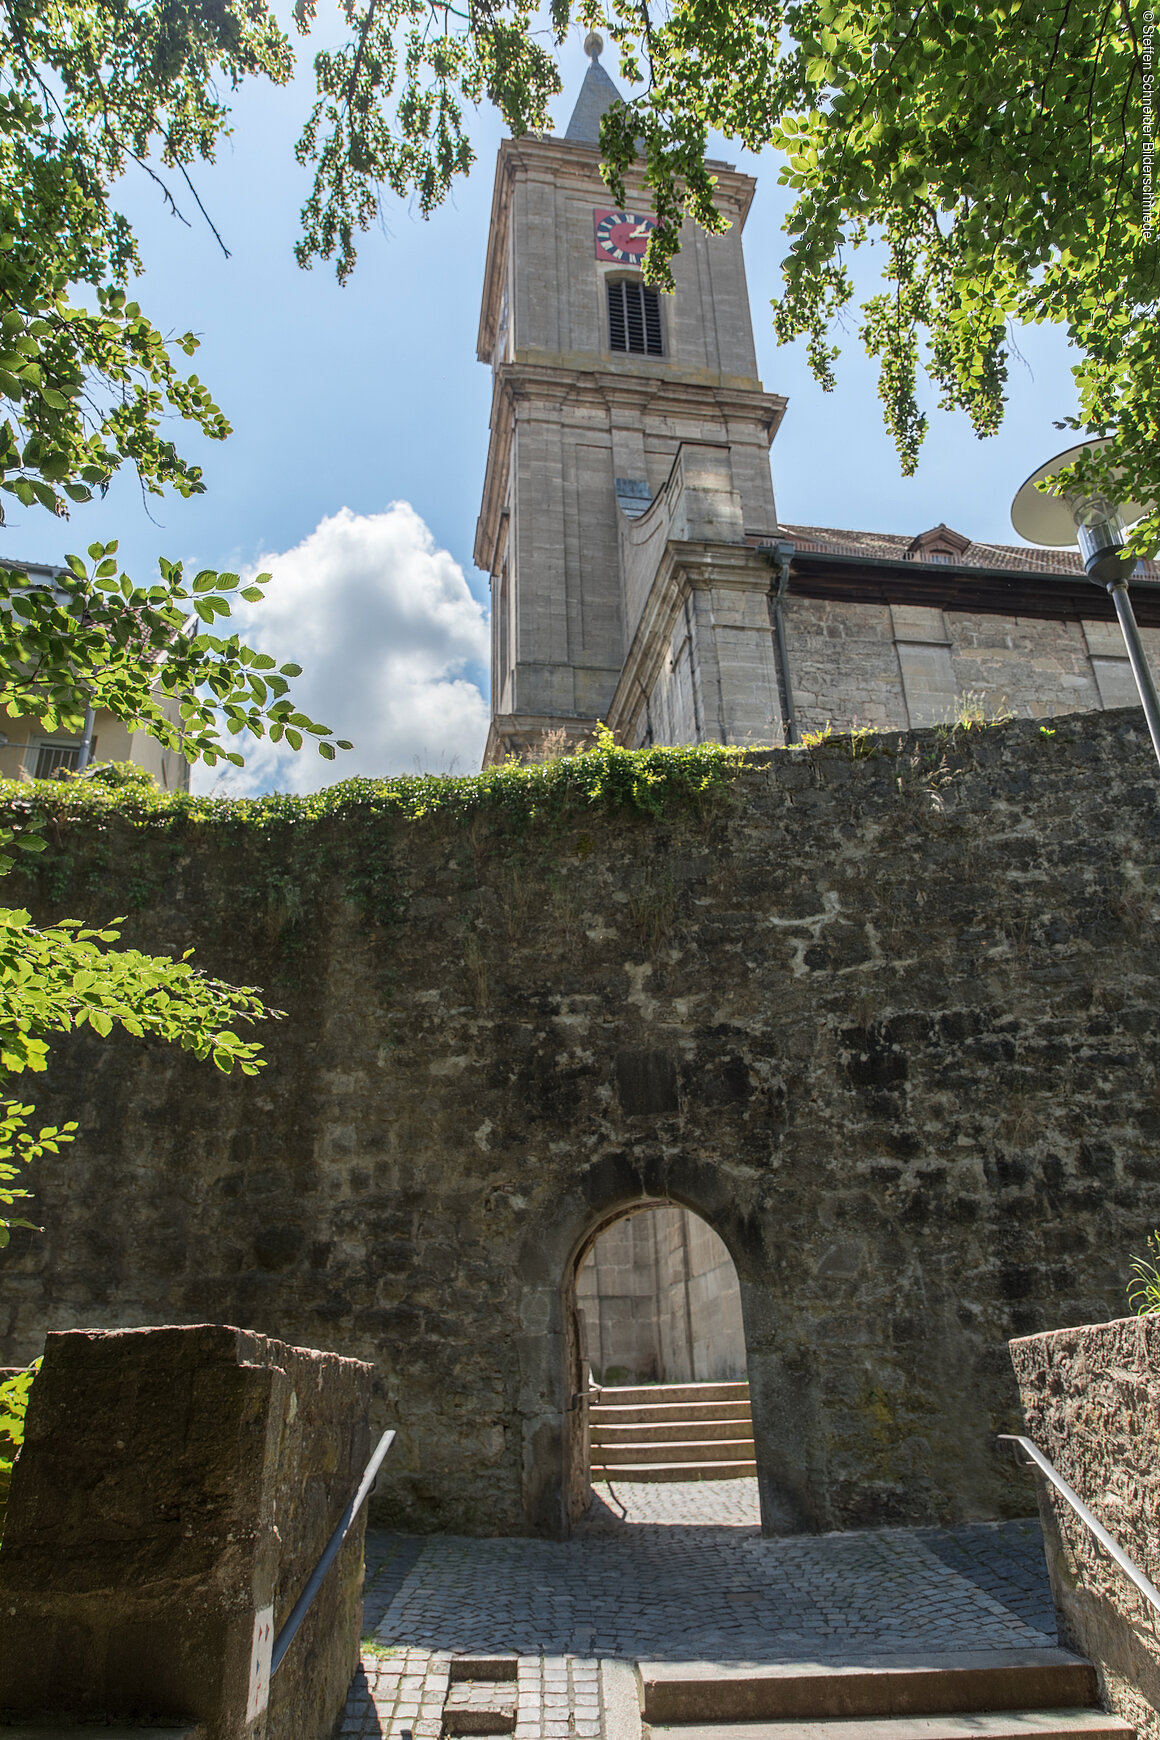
(593, 44)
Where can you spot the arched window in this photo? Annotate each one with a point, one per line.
(634, 317)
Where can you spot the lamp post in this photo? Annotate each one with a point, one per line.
(1096, 525)
(85, 753)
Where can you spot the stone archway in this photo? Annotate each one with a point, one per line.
(577, 1489)
(662, 1391)
(790, 1449)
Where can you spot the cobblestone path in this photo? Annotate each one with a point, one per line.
(654, 1585)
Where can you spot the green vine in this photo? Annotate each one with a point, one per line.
(288, 855)
(1144, 1287)
(648, 781)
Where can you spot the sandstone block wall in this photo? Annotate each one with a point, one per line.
(174, 1492)
(661, 1302)
(714, 1303)
(1091, 1398)
(894, 667)
(887, 1023)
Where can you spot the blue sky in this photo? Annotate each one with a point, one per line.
(346, 401)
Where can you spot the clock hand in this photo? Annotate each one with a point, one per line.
(643, 228)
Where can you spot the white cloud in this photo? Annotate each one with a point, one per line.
(388, 636)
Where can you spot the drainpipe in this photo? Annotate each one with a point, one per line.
(782, 555)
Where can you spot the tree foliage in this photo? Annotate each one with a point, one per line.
(88, 385)
(84, 90)
(144, 653)
(13, 1409)
(993, 149)
(88, 382)
(429, 59)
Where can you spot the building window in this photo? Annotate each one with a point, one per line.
(53, 758)
(634, 317)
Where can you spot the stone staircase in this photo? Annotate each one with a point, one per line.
(1028, 1694)
(671, 1432)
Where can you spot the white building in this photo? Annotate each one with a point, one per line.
(29, 751)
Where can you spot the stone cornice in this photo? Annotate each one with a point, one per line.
(638, 381)
(553, 383)
(566, 163)
(682, 570)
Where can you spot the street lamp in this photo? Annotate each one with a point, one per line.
(1096, 524)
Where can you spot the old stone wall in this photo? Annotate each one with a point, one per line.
(886, 1021)
(174, 1493)
(1091, 1397)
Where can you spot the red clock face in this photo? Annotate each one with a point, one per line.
(622, 236)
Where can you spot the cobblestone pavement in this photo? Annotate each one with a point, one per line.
(653, 1584)
(1005, 1559)
(618, 1508)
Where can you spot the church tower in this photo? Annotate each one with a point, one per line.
(628, 479)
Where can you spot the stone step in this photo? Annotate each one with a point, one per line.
(974, 1725)
(634, 1395)
(642, 1471)
(737, 1411)
(927, 1685)
(719, 1450)
(668, 1431)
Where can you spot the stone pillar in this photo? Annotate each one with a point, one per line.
(1091, 1400)
(175, 1489)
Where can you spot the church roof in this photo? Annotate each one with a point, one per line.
(597, 94)
(896, 547)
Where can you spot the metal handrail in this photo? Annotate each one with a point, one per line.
(329, 1553)
(1132, 1571)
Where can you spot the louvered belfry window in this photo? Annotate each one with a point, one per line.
(634, 318)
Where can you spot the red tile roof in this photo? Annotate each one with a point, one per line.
(895, 547)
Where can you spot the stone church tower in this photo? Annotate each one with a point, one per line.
(606, 397)
(639, 573)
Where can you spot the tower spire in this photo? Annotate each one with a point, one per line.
(597, 94)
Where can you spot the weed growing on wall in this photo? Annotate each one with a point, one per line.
(1144, 1287)
(975, 708)
(13, 1407)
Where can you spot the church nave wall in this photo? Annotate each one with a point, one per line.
(903, 667)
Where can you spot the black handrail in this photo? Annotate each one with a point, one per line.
(1132, 1571)
(329, 1553)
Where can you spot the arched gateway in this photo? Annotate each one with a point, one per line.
(556, 1362)
(664, 1396)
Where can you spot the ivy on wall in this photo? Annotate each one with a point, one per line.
(287, 857)
(289, 851)
(647, 781)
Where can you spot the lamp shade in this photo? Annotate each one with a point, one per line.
(1047, 519)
